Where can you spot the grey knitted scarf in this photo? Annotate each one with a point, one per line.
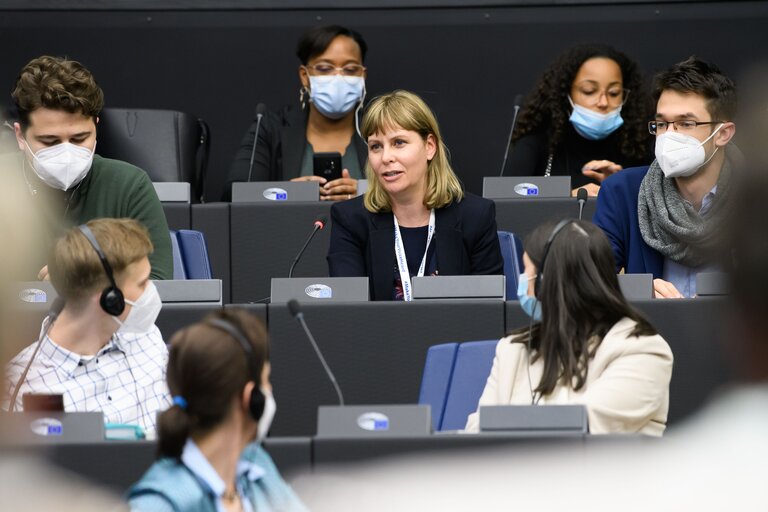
(669, 223)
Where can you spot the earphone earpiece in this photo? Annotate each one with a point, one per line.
(112, 301)
(258, 402)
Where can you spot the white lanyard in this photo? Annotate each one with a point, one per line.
(402, 262)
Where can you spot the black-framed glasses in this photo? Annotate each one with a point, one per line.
(683, 125)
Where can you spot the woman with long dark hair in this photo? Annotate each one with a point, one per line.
(586, 344)
(586, 118)
(209, 440)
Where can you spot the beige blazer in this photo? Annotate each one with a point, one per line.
(627, 386)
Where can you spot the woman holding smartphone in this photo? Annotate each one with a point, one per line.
(332, 76)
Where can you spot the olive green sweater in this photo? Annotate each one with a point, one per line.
(112, 189)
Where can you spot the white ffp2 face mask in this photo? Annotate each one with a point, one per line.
(681, 155)
(63, 165)
(265, 422)
(143, 312)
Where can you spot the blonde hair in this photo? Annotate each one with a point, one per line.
(75, 268)
(408, 111)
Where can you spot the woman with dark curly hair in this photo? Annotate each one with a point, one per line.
(586, 119)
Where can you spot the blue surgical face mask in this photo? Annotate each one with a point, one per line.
(529, 304)
(593, 125)
(335, 96)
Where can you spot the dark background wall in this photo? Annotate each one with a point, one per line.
(218, 59)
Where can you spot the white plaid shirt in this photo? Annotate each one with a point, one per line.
(125, 379)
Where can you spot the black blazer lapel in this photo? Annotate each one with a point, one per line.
(449, 251)
(294, 140)
(382, 256)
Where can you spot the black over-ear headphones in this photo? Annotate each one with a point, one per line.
(540, 274)
(258, 399)
(112, 300)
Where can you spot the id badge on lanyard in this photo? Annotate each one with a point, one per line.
(402, 262)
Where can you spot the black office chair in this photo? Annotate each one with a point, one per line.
(169, 145)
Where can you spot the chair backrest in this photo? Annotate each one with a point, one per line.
(512, 252)
(194, 254)
(168, 145)
(178, 263)
(470, 372)
(438, 369)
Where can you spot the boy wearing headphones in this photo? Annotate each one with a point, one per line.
(103, 351)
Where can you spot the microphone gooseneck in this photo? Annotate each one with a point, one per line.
(319, 224)
(518, 103)
(295, 310)
(56, 307)
(581, 197)
(260, 109)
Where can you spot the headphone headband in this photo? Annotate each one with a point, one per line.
(540, 275)
(85, 230)
(236, 333)
(112, 300)
(258, 400)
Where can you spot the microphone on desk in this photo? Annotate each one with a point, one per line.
(319, 224)
(581, 197)
(260, 109)
(53, 314)
(295, 310)
(518, 104)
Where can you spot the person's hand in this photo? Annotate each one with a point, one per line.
(318, 179)
(591, 188)
(665, 290)
(598, 170)
(339, 190)
(43, 274)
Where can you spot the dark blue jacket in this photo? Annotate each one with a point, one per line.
(616, 215)
(363, 243)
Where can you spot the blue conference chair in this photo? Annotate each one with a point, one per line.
(512, 253)
(470, 372)
(190, 255)
(178, 262)
(436, 379)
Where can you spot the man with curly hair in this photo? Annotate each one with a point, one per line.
(58, 103)
(665, 219)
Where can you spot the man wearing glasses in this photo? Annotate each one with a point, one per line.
(663, 220)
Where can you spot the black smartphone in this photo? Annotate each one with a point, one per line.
(327, 165)
(41, 402)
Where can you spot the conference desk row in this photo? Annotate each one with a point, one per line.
(377, 349)
(118, 464)
(249, 243)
